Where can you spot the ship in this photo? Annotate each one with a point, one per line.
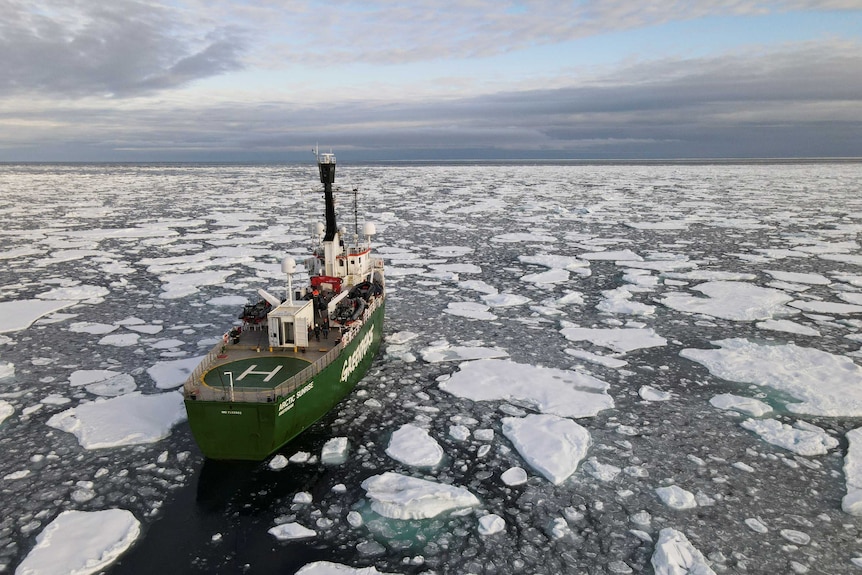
(290, 360)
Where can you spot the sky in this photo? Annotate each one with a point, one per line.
(383, 80)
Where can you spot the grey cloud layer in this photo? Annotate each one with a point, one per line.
(804, 102)
(117, 48)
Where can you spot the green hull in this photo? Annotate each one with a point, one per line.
(253, 431)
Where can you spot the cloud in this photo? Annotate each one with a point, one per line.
(121, 48)
(800, 101)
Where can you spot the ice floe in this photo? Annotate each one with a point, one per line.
(291, 531)
(799, 278)
(619, 300)
(81, 542)
(675, 555)
(335, 451)
(399, 496)
(622, 340)
(746, 405)
(826, 307)
(413, 446)
(676, 497)
(328, 568)
(470, 310)
(441, 351)
(19, 315)
(801, 440)
(551, 445)
(852, 502)
(738, 301)
(171, 374)
(6, 410)
(821, 382)
(787, 326)
(129, 419)
(491, 524)
(549, 390)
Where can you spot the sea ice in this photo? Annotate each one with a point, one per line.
(514, 476)
(622, 340)
(92, 328)
(290, 531)
(7, 369)
(470, 310)
(81, 292)
(441, 351)
(129, 419)
(228, 301)
(18, 315)
(799, 278)
(549, 277)
(398, 496)
(552, 445)
(278, 462)
(491, 524)
(327, 568)
(604, 360)
(549, 390)
(824, 384)
(6, 410)
(81, 542)
(827, 307)
(621, 255)
(171, 374)
(788, 326)
(800, 441)
(676, 497)
(120, 339)
(619, 300)
(649, 393)
(413, 446)
(852, 502)
(746, 405)
(334, 451)
(674, 555)
(737, 301)
(504, 300)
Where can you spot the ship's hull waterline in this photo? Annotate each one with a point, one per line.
(254, 430)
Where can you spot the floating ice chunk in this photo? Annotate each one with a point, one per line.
(549, 277)
(601, 471)
(81, 292)
(457, 268)
(327, 568)
(514, 476)
(622, 340)
(459, 432)
(826, 307)
(129, 419)
(478, 285)
(278, 462)
(558, 262)
(623, 255)
(746, 405)
(504, 300)
(401, 337)
(796, 537)
(800, 441)
(334, 451)
(756, 525)
(710, 275)
(470, 310)
(738, 301)
(491, 524)
(618, 300)
(228, 301)
(571, 298)
(413, 446)
(524, 237)
(171, 374)
(788, 326)
(87, 376)
(6, 410)
(799, 278)
(665, 225)
(825, 384)
(92, 328)
(676, 497)
(16, 475)
(649, 393)
(604, 360)
(290, 531)
(441, 351)
(401, 497)
(484, 434)
(7, 369)
(674, 555)
(450, 251)
(855, 298)
(18, 315)
(81, 542)
(552, 445)
(852, 502)
(550, 390)
(119, 384)
(148, 328)
(120, 339)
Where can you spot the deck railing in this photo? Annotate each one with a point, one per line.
(192, 387)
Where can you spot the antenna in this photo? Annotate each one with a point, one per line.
(356, 215)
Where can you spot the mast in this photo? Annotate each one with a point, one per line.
(326, 165)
